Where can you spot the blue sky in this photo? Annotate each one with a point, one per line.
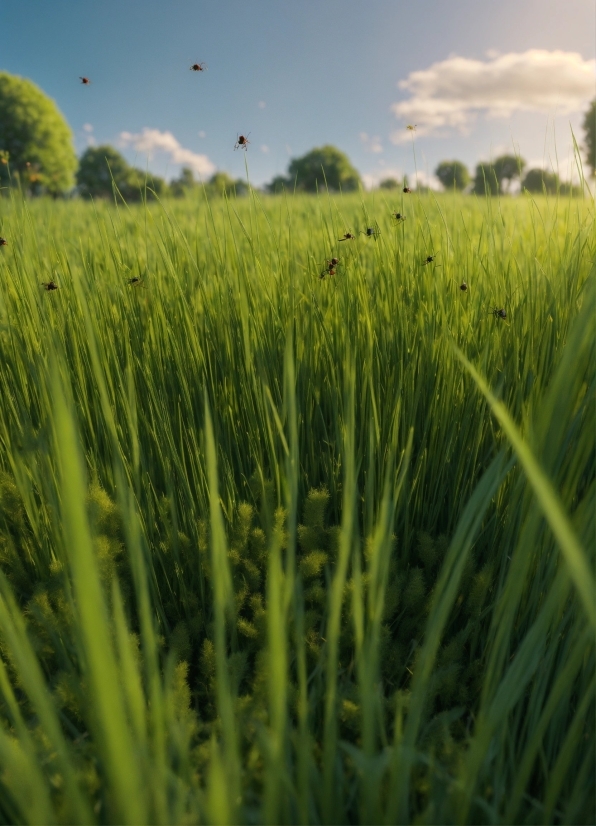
(478, 77)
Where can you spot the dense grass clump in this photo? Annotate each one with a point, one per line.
(277, 547)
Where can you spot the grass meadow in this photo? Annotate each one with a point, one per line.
(277, 548)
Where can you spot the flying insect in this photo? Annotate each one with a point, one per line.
(242, 141)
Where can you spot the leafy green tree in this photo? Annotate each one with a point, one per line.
(389, 183)
(490, 178)
(590, 132)
(485, 180)
(101, 165)
(278, 184)
(142, 181)
(507, 168)
(35, 138)
(453, 175)
(221, 183)
(185, 184)
(323, 166)
(567, 188)
(541, 180)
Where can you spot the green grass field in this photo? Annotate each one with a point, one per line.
(281, 548)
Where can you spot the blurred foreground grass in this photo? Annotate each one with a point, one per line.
(282, 548)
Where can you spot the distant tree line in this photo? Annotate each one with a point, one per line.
(37, 154)
(327, 167)
(498, 176)
(104, 173)
(494, 178)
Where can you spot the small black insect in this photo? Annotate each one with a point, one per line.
(429, 260)
(242, 141)
(463, 287)
(371, 232)
(399, 217)
(498, 313)
(136, 281)
(328, 271)
(406, 189)
(49, 285)
(198, 67)
(84, 80)
(347, 237)
(3, 242)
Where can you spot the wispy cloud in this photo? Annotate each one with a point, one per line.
(262, 104)
(150, 141)
(371, 143)
(424, 179)
(89, 136)
(451, 93)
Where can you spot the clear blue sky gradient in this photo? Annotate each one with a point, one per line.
(327, 70)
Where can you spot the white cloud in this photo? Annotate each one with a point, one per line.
(264, 149)
(262, 104)
(371, 143)
(88, 135)
(423, 179)
(451, 93)
(150, 141)
(370, 180)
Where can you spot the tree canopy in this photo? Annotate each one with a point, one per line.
(485, 180)
(389, 183)
(321, 167)
(490, 177)
(278, 184)
(453, 175)
(184, 184)
(219, 184)
(35, 139)
(590, 135)
(101, 167)
(222, 184)
(507, 168)
(541, 180)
